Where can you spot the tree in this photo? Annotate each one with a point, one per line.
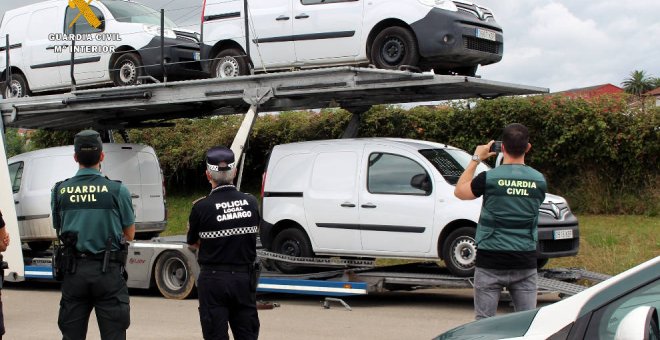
(637, 83)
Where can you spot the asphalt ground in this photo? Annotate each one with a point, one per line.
(31, 310)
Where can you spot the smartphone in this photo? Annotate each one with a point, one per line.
(496, 147)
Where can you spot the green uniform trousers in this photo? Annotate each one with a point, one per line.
(89, 288)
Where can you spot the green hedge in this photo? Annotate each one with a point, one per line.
(601, 154)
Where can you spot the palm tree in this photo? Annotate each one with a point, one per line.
(637, 83)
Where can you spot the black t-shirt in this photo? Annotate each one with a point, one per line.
(478, 184)
(226, 223)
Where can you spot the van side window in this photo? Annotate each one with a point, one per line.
(392, 174)
(317, 2)
(81, 25)
(16, 175)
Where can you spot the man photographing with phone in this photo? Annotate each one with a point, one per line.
(507, 233)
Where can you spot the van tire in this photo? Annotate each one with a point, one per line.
(229, 63)
(127, 70)
(173, 275)
(17, 88)
(292, 242)
(459, 251)
(38, 246)
(394, 47)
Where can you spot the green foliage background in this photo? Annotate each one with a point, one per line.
(601, 154)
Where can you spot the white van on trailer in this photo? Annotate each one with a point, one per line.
(33, 175)
(385, 197)
(124, 47)
(443, 35)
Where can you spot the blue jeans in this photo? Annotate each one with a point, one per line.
(488, 284)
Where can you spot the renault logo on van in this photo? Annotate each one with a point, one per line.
(85, 11)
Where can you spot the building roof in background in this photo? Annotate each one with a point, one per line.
(592, 91)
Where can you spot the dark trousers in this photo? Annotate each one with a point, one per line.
(89, 288)
(226, 297)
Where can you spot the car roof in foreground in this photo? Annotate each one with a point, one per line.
(551, 319)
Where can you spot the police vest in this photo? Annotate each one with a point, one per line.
(88, 204)
(509, 215)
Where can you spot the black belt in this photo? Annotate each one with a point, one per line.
(115, 256)
(240, 268)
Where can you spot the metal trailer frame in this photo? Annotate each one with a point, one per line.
(168, 262)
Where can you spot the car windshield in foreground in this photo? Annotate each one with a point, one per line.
(451, 162)
(125, 11)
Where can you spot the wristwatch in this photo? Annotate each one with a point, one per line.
(476, 158)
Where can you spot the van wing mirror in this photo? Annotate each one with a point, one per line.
(639, 323)
(421, 182)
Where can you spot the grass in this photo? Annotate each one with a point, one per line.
(608, 243)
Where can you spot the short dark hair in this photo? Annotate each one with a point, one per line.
(515, 139)
(88, 158)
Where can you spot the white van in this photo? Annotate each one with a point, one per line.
(443, 35)
(33, 175)
(124, 46)
(385, 197)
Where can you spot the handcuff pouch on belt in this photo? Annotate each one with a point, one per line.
(64, 255)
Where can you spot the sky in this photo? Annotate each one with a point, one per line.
(558, 44)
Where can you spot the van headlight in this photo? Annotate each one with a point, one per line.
(442, 4)
(155, 30)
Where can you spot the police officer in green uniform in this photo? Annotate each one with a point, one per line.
(97, 214)
(507, 233)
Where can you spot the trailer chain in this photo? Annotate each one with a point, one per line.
(316, 261)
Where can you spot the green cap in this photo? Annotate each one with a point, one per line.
(87, 140)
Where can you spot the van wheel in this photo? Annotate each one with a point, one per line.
(459, 251)
(229, 63)
(18, 87)
(292, 242)
(394, 47)
(127, 70)
(174, 276)
(38, 246)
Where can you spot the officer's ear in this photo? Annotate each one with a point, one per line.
(102, 157)
(529, 147)
(208, 175)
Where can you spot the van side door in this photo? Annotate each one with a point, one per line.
(327, 31)
(41, 56)
(395, 217)
(331, 200)
(88, 67)
(271, 42)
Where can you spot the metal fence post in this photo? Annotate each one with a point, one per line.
(162, 44)
(73, 60)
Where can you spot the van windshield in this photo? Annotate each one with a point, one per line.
(16, 175)
(124, 11)
(451, 162)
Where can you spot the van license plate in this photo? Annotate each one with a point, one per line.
(196, 56)
(562, 234)
(486, 34)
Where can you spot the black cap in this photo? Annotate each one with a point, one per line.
(87, 140)
(217, 155)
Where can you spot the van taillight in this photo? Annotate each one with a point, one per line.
(263, 184)
(164, 193)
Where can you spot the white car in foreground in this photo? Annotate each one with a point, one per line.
(624, 307)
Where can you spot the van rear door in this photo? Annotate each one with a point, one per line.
(327, 29)
(122, 164)
(394, 216)
(153, 205)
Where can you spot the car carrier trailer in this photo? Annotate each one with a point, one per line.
(168, 263)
